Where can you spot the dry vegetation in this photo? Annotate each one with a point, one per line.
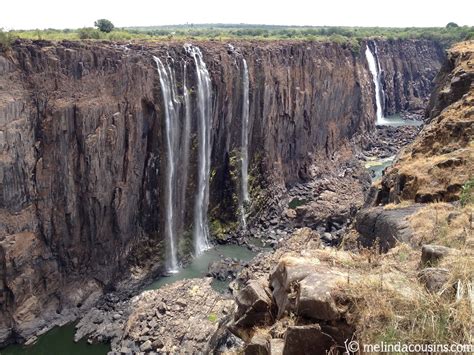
(390, 304)
(443, 224)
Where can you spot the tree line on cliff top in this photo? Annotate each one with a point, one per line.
(352, 36)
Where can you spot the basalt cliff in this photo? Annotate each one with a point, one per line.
(82, 150)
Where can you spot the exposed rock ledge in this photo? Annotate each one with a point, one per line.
(182, 317)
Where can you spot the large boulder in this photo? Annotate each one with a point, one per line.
(307, 339)
(253, 305)
(306, 287)
(314, 299)
(434, 278)
(431, 254)
(259, 345)
(384, 227)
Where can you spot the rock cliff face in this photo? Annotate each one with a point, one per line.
(82, 142)
(408, 68)
(440, 161)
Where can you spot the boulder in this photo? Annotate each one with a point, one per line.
(306, 339)
(305, 287)
(314, 299)
(384, 226)
(431, 254)
(434, 278)
(276, 346)
(257, 346)
(253, 305)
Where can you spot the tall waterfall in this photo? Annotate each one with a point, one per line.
(171, 105)
(201, 228)
(185, 140)
(374, 67)
(245, 142)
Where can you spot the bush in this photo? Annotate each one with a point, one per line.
(104, 25)
(88, 33)
(467, 193)
(6, 39)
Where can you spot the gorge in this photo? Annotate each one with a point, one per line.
(121, 161)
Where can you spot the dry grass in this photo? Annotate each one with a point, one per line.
(381, 313)
(443, 224)
(387, 302)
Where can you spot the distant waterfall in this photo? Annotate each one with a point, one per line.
(171, 105)
(374, 67)
(245, 142)
(201, 229)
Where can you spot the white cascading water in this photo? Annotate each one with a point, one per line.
(201, 228)
(185, 143)
(244, 199)
(171, 121)
(374, 68)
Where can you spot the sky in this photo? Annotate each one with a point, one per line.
(32, 14)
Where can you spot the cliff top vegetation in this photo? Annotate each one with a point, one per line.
(224, 32)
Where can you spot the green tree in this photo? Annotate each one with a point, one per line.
(104, 25)
(452, 25)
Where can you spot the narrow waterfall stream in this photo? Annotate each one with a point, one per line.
(201, 228)
(171, 106)
(374, 68)
(244, 198)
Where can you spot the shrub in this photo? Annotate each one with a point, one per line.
(6, 39)
(89, 33)
(467, 193)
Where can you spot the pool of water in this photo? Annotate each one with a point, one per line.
(58, 341)
(198, 266)
(397, 121)
(378, 165)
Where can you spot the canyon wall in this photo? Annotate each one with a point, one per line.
(82, 142)
(439, 164)
(408, 69)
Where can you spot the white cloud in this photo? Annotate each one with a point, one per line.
(30, 14)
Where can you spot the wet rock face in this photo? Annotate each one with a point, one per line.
(81, 143)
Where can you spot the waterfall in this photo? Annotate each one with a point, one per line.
(184, 153)
(244, 199)
(171, 105)
(201, 229)
(374, 67)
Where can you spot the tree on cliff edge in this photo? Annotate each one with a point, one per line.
(104, 25)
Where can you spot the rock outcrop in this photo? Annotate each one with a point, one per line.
(440, 160)
(183, 317)
(384, 228)
(81, 151)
